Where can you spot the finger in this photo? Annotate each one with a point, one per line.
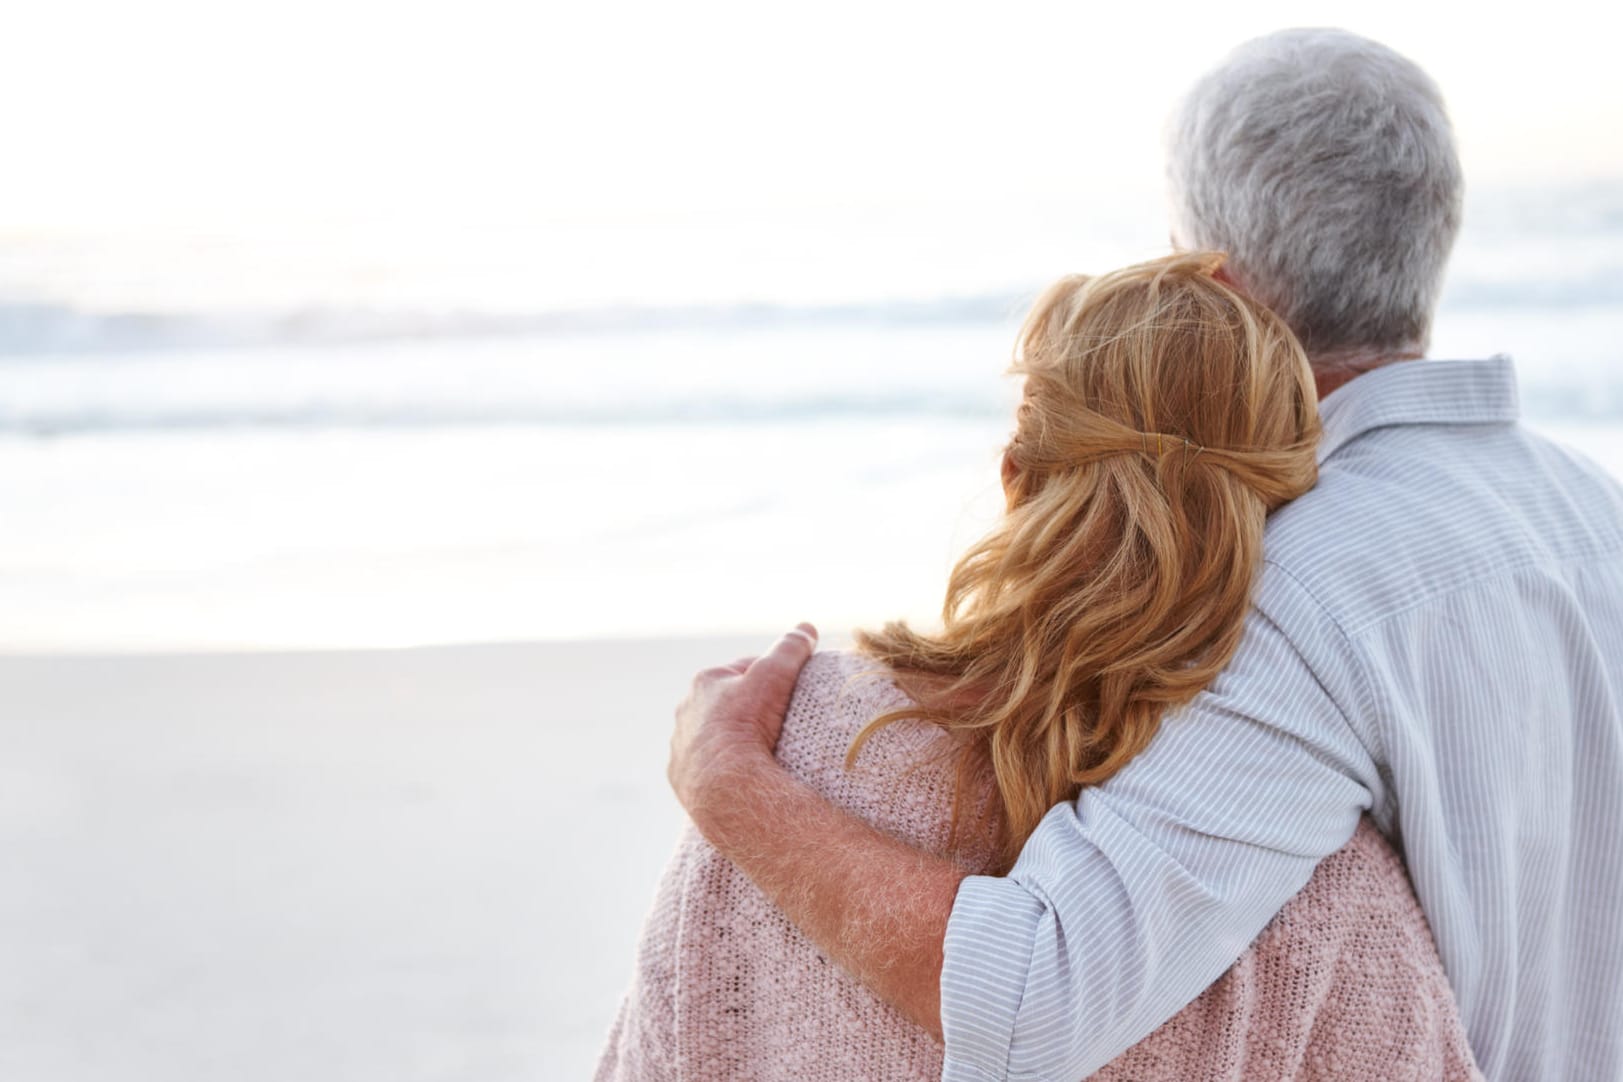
(788, 655)
(740, 664)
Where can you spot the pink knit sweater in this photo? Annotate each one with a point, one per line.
(1344, 983)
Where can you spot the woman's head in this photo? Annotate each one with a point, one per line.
(1164, 373)
(1164, 415)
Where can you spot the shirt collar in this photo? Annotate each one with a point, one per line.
(1419, 393)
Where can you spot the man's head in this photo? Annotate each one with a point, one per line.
(1324, 164)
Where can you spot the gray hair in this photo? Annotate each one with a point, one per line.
(1323, 163)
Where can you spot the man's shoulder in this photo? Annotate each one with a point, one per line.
(1405, 514)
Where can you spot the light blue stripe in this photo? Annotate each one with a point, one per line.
(1438, 638)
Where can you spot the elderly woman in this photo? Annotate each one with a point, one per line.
(1164, 415)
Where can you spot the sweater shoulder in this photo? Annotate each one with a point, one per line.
(1344, 981)
(904, 778)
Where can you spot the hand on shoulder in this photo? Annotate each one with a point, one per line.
(730, 720)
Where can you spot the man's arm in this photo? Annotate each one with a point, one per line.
(1123, 906)
(877, 906)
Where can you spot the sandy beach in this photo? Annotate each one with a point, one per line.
(420, 864)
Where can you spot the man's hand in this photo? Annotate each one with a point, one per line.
(731, 719)
(875, 905)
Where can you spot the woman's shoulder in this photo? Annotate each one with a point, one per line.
(1361, 887)
(1346, 975)
(839, 692)
(1358, 915)
(902, 781)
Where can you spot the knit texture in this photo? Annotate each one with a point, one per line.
(1344, 983)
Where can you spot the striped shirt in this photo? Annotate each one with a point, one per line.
(1437, 637)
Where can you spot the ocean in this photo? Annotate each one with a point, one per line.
(631, 463)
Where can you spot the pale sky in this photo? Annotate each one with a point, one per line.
(203, 112)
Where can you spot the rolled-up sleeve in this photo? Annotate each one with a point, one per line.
(1126, 904)
(991, 920)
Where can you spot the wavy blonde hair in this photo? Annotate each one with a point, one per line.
(1164, 415)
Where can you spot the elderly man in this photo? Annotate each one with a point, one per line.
(1437, 639)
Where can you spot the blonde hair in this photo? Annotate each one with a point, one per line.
(1164, 415)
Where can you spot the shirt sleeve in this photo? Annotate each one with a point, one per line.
(1126, 904)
